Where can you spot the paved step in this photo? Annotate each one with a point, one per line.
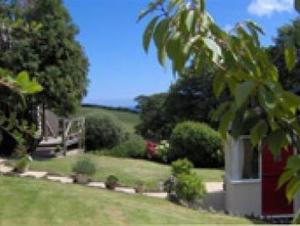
(5, 169)
(96, 184)
(125, 190)
(2, 161)
(161, 195)
(64, 180)
(34, 174)
(212, 187)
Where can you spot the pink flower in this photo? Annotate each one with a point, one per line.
(151, 149)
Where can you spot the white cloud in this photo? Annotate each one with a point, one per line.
(268, 7)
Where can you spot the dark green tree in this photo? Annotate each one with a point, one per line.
(154, 124)
(192, 98)
(51, 53)
(287, 34)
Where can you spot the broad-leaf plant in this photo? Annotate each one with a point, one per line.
(186, 35)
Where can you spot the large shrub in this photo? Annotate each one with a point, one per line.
(197, 142)
(102, 131)
(134, 147)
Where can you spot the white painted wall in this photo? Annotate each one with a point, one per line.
(243, 198)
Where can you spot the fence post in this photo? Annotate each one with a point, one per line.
(64, 139)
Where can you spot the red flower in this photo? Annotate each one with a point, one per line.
(151, 149)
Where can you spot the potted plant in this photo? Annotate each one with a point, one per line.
(139, 187)
(111, 182)
(83, 169)
(22, 165)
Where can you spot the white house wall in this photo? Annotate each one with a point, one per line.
(243, 198)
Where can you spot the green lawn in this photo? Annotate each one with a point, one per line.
(129, 171)
(129, 120)
(29, 202)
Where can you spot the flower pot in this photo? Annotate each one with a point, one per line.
(81, 179)
(21, 170)
(139, 189)
(111, 186)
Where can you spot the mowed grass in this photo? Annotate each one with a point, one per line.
(128, 119)
(129, 171)
(30, 202)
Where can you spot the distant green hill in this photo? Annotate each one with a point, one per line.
(128, 118)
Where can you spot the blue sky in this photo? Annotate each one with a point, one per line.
(119, 68)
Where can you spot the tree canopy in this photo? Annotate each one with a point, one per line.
(47, 48)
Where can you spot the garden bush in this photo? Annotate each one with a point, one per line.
(181, 166)
(22, 164)
(189, 188)
(162, 150)
(103, 131)
(134, 147)
(198, 142)
(84, 166)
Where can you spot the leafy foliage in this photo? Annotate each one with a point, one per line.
(244, 67)
(198, 143)
(13, 123)
(103, 131)
(289, 78)
(189, 98)
(134, 147)
(192, 98)
(239, 59)
(22, 164)
(154, 124)
(291, 177)
(189, 187)
(84, 166)
(111, 182)
(163, 149)
(181, 166)
(39, 37)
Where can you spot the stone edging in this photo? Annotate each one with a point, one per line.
(8, 171)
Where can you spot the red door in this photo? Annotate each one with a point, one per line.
(274, 201)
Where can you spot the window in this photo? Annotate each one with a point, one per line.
(249, 160)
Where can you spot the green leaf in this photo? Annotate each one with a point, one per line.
(243, 91)
(276, 141)
(161, 32)
(148, 34)
(216, 114)
(175, 52)
(162, 56)
(22, 78)
(214, 48)
(292, 188)
(258, 132)
(190, 20)
(284, 178)
(26, 86)
(267, 99)
(290, 54)
(225, 122)
(218, 84)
